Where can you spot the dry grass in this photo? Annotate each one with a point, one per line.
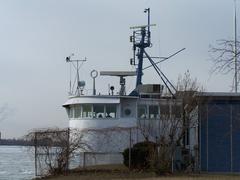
(132, 177)
(118, 172)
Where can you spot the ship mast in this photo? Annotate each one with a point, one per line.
(77, 83)
(235, 46)
(141, 40)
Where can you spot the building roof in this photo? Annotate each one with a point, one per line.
(218, 96)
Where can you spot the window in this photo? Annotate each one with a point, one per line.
(77, 111)
(153, 112)
(176, 111)
(142, 111)
(92, 111)
(71, 112)
(111, 111)
(98, 111)
(127, 112)
(86, 110)
(165, 111)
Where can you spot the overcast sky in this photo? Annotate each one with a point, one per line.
(36, 36)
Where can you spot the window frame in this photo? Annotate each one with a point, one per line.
(72, 111)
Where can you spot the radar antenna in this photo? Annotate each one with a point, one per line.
(121, 75)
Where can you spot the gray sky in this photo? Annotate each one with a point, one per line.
(36, 36)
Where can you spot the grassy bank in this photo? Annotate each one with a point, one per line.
(145, 177)
(118, 172)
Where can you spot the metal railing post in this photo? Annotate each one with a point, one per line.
(130, 148)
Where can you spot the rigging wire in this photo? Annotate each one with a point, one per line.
(164, 59)
(161, 74)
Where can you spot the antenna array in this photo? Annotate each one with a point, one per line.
(141, 40)
(77, 87)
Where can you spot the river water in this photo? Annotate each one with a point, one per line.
(16, 163)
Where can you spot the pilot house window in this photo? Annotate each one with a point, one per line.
(153, 112)
(142, 111)
(86, 110)
(148, 111)
(71, 112)
(77, 112)
(111, 111)
(98, 111)
(92, 111)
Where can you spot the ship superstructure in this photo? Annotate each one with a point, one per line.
(142, 107)
(209, 140)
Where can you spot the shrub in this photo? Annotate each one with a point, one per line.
(142, 154)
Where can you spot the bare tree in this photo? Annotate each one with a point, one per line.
(187, 88)
(177, 116)
(225, 57)
(54, 148)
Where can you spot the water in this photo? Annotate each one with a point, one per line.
(16, 163)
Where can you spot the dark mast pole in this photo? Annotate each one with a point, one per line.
(142, 45)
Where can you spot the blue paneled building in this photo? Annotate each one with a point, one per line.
(219, 132)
